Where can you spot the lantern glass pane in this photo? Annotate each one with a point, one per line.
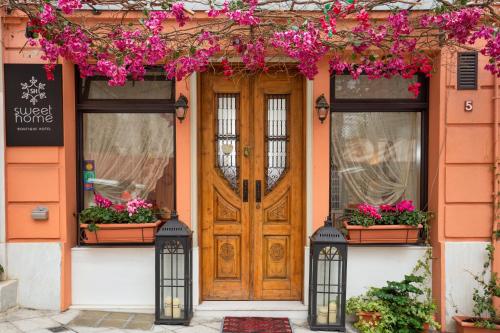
(329, 286)
(172, 284)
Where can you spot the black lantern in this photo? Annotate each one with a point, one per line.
(174, 273)
(322, 107)
(181, 107)
(327, 279)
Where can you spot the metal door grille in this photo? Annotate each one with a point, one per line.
(227, 137)
(276, 139)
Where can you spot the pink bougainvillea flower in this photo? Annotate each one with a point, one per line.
(226, 67)
(49, 71)
(68, 6)
(414, 88)
(179, 13)
(48, 14)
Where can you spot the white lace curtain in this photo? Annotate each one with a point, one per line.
(376, 155)
(130, 151)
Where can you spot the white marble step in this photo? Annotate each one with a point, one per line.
(218, 309)
(8, 294)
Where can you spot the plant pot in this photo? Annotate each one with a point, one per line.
(382, 234)
(369, 317)
(120, 233)
(496, 303)
(466, 325)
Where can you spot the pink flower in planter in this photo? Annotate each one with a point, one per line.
(135, 204)
(369, 210)
(119, 207)
(387, 208)
(101, 201)
(405, 206)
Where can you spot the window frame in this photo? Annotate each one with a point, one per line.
(383, 105)
(83, 106)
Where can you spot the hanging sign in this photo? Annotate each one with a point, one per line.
(88, 175)
(33, 106)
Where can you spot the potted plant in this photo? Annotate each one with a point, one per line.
(399, 306)
(368, 311)
(133, 222)
(485, 316)
(399, 223)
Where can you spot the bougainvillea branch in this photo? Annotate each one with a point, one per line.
(380, 38)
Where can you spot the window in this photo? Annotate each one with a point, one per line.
(378, 143)
(127, 141)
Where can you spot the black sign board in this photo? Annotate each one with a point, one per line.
(33, 106)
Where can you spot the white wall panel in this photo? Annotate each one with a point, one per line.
(37, 267)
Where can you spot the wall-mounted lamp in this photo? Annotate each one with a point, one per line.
(181, 107)
(322, 107)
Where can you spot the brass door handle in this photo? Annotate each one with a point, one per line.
(245, 190)
(258, 191)
(246, 151)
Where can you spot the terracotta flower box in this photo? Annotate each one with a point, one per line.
(399, 234)
(466, 325)
(120, 233)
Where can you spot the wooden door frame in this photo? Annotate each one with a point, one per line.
(305, 180)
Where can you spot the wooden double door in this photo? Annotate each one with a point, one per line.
(252, 187)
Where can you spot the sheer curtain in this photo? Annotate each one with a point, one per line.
(130, 151)
(376, 156)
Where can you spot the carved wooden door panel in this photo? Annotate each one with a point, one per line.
(252, 187)
(278, 166)
(225, 216)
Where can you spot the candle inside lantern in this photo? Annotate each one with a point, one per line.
(168, 306)
(322, 315)
(176, 308)
(332, 312)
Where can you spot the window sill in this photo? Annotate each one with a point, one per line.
(83, 247)
(410, 246)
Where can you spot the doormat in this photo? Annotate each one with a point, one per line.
(256, 325)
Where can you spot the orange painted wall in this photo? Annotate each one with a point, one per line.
(321, 150)
(461, 164)
(43, 175)
(47, 175)
(468, 157)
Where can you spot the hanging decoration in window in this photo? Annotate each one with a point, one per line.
(227, 138)
(276, 139)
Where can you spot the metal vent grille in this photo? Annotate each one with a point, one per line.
(467, 71)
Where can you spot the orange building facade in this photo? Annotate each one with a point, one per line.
(461, 150)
